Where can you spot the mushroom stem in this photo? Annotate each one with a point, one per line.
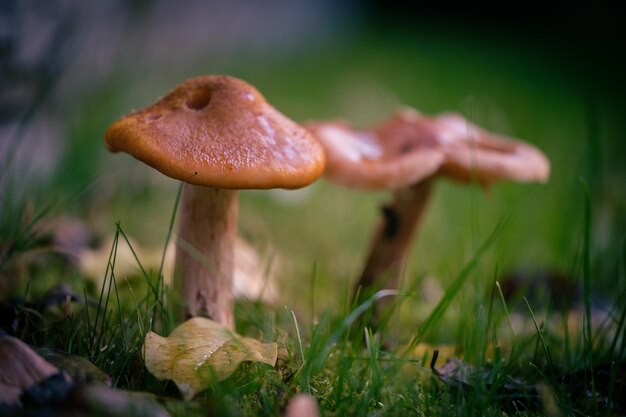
(204, 258)
(391, 242)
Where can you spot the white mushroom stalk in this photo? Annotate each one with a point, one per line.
(206, 242)
(405, 154)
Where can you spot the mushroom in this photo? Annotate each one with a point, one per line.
(218, 134)
(404, 154)
(302, 405)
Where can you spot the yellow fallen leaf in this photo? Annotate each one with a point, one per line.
(201, 351)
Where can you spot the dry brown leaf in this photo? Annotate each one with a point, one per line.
(20, 368)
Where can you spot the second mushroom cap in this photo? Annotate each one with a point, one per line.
(219, 131)
(410, 146)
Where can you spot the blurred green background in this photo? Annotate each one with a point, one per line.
(71, 68)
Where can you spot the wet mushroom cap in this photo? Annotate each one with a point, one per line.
(219, 131)
(383, 158)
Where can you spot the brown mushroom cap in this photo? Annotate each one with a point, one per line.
(218, 131)
(474, 153)
(384, 158)
(409, 146)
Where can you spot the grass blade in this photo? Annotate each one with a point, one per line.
(544, 346)
(587, 330)
(454, 288)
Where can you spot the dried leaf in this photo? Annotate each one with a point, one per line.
(20, 368)
(502, 387)
(201, 351)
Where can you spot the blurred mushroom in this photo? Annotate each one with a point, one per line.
(404, 154)
(217, 134)
(302, 405)
(472, 153)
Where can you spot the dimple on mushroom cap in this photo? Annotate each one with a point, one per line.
(219, 131)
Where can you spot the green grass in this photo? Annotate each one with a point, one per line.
(521, 357)
(345, 368)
